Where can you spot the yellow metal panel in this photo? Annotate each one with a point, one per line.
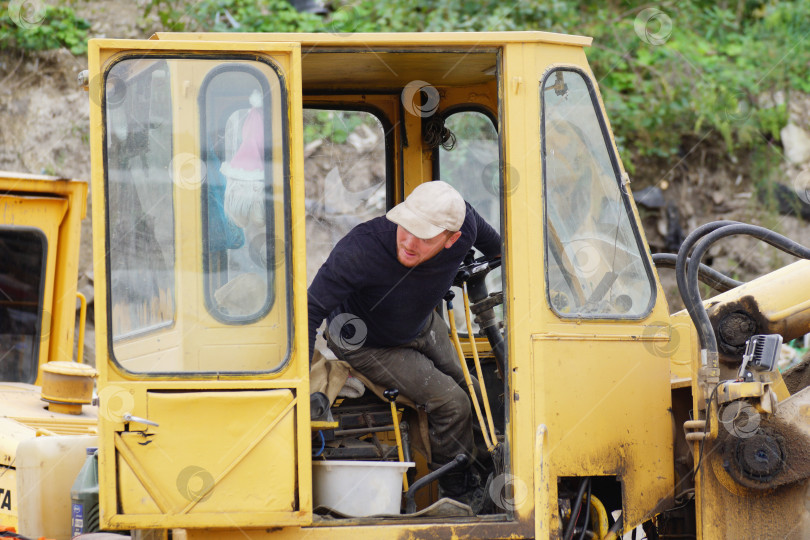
(519, 121)
(9, 503)
(389, 39)
(64, 211)
(600, 387)
(235, 459)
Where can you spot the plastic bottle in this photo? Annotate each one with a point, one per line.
(84, 497)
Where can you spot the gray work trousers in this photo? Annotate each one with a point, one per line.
(426, 371)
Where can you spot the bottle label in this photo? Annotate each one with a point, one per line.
(77, 519)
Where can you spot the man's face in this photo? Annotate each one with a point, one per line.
(412, 251)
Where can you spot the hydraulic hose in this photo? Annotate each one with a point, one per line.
(569, 529)
(708, 275)
(711, 371)
(587, 512)
(683, 257)
(708, 340)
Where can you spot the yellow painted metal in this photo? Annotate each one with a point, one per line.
(601, 387)
(398, 435)
(82, 323)
(732, 391)
(351, 41)
(246, 433)
(66, 386)
(774, 296)
(8, 496)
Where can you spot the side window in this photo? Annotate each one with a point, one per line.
(237, 206)
(472, 166)
(139, 197)
(345, 168)
(22, 278)
(594, 262)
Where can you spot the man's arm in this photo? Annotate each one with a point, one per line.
(487, 240)
(334, 282)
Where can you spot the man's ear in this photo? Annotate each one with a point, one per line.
(452, 239)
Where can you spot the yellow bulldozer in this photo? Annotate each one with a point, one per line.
(226, 166)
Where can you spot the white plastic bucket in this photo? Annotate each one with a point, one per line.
(359, 488)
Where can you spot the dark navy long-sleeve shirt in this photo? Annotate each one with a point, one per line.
(362, 277)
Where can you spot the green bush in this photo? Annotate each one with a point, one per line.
(711, 76)
(24, 27)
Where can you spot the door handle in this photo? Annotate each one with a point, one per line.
(127, 417)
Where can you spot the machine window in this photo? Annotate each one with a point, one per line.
(197, 174)
(238, 194)
(345, 166)
(594, 262)
(345, 163)
(22, 279)
(139, 197)
(472, 166)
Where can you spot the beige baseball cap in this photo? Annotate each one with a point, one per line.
(431, 208)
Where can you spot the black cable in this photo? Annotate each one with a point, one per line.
(700, 317)
(587, 512)
(569, 529)
(683, 257)
(436, 134)
(708, 275)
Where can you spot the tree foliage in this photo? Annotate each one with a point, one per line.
(671, 74)
(30, 26)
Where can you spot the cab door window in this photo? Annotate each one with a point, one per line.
(198, 204)
(595, 266)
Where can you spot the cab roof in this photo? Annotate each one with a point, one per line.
(382, 62)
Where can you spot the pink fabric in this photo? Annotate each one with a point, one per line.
(249, 158)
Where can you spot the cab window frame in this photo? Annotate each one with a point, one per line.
(269, 216)
(612, 155)
(286, 356)
(436, 168)
(388, 130)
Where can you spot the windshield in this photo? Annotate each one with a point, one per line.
(595, 267)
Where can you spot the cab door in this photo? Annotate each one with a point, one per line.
(201, 313)
(598, 348)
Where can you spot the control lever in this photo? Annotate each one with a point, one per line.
(391, 395)
(460, 460)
